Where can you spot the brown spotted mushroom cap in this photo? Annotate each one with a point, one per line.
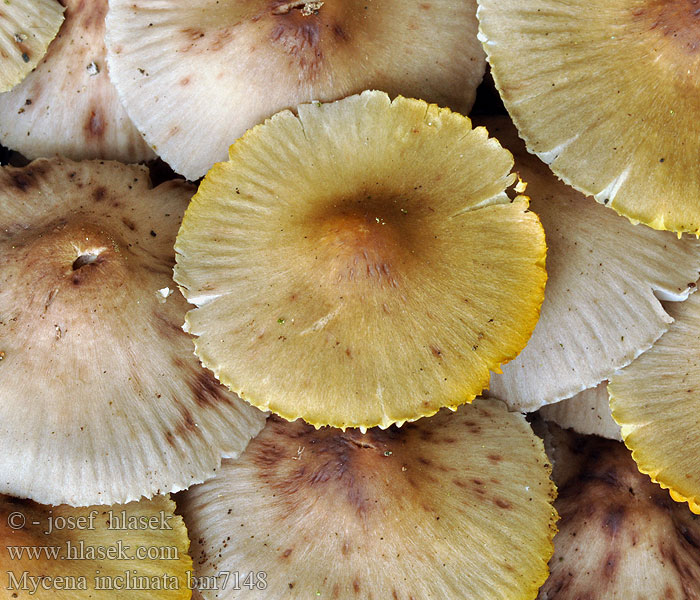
(587, 412)
(195, 76)
(620, 536)
(68, 105)
(607, 93)
(26, 29)
(99, 551)
(102, 399)
(606, 278)
(341, 515)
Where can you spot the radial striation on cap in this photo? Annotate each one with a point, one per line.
(360, 264)
(608, 94)
(439, 508)
(68, 105)
(102, 399)
(587, 412)
(620, 536)
(136, 550)
(656, 400)
(195, 76)
(26, 30)
(606, 278)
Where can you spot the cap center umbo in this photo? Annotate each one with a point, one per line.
(362, 247)
(306, 7)
(87, 258)
(677, 21)
(67, 245)
(309, 34)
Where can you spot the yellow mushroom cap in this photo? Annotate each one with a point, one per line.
(457, 506)
(195, 76)
(608, 94)
(620, 536)
(102, 399)
(656, 401)
(68, 105)
(26, 30)
(606, 278)
(360, 264)
(136, 550)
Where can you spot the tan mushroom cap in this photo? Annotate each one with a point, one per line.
(620, 536)
(102, 399)
(137, 550)
(608, 94)
(361, 264)
(26, 29)
(195, 76)
(68, 105)
(440, 508)
(587, 412)
(656, 400)
(605, 278)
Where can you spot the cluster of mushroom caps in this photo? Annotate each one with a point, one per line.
(367, 268)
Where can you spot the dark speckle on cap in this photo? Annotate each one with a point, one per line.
(206, 390)
(21, 181)
(99, 193)
(95, 123)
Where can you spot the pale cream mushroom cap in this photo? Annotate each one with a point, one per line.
(606, 277)
(195, 76)
(102, 399)
(587, 412)
(68, 105)
(457, 506)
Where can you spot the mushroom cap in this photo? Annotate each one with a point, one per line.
(656, 400)
(92, 543)
(605, 279)
(26, 29)
(195, 76)
(635, 146)
(102, 399)
(587, 412)
(333, 515)
(68, 105)
(620, 536)
(360, 264)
